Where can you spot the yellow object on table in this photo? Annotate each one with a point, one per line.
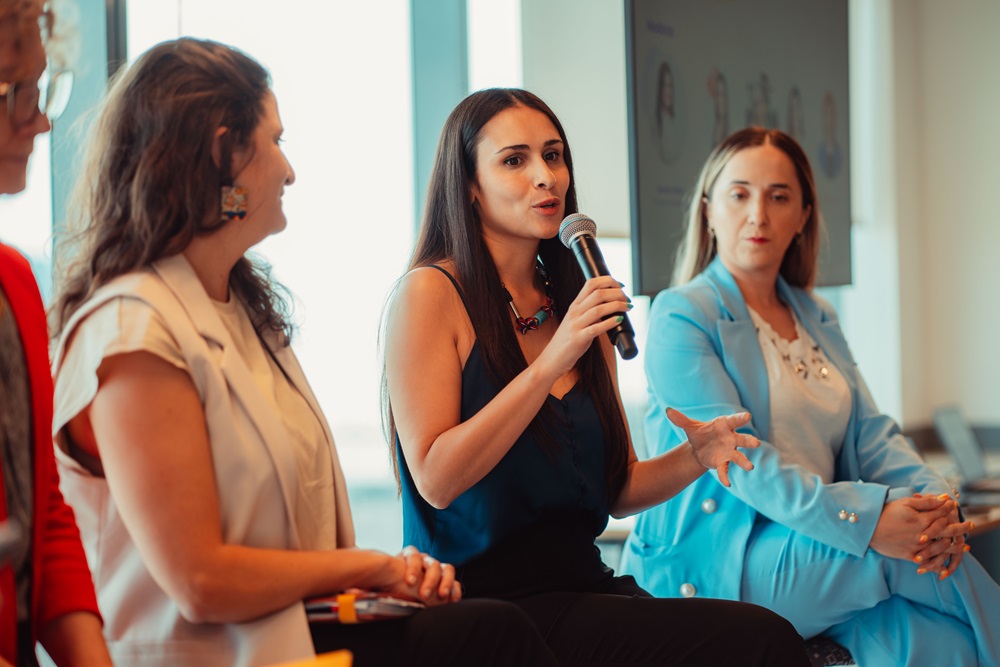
(335, 659)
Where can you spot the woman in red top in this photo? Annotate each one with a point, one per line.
(47, 592)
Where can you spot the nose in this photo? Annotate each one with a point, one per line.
(39, 124)
(757, 212)
(545, 178)
(290, 175)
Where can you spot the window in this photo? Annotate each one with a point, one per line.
(26, 218)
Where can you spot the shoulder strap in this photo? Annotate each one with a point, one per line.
(461, 294)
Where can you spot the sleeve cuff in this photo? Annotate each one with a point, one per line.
(898, 492)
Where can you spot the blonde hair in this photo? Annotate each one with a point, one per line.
(697, 250)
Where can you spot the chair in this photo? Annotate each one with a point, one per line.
(824, 652)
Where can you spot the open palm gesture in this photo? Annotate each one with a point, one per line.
(715, 442)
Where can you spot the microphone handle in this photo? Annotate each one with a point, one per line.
(591, 261)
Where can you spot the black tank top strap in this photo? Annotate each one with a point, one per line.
(461, 294)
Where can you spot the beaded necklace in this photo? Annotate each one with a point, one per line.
(526, 324)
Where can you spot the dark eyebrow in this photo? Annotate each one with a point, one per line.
(524, 147)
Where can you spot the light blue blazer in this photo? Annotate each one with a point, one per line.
(703, 358)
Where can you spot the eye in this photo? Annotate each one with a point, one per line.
(514, 161)
(780, 196)
(737, 195)
(552, 156)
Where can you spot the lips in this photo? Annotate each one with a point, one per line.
(550, 205)
(758, 240)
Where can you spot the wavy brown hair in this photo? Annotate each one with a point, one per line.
(697, 250)
(451, 229)
(150, 185)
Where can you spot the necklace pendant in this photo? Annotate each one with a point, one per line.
(526, 324)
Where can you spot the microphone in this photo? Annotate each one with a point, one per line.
(577, 233)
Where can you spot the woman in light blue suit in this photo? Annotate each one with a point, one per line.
(841, 528)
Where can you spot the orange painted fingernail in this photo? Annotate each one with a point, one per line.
(921, 570)
(942, 496)
(972, 524)
(944, 575)
(966, 548)
(923, 538)
(918, 559)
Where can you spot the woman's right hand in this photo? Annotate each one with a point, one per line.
(421, 577)
(583, 321)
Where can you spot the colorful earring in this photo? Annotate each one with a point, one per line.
(234, 202)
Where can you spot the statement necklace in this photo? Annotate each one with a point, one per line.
(526, 324)
(806, 358)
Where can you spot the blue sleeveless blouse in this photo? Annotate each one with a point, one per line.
(530, 487)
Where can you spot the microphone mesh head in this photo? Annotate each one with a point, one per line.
(573, 224)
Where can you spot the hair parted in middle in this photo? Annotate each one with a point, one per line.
(452, 230)
(150, 184)
(697, 250)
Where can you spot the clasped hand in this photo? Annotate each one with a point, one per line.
(715, 442)
(924, 529)
(425, 579)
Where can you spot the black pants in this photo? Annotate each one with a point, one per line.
(562, 606)
(621, 626)
(471, 632)
(624, 625)
(588, 616)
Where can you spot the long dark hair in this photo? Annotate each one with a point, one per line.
(451, 229)
(150, 184)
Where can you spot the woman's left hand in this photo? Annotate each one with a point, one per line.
(715, 442)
